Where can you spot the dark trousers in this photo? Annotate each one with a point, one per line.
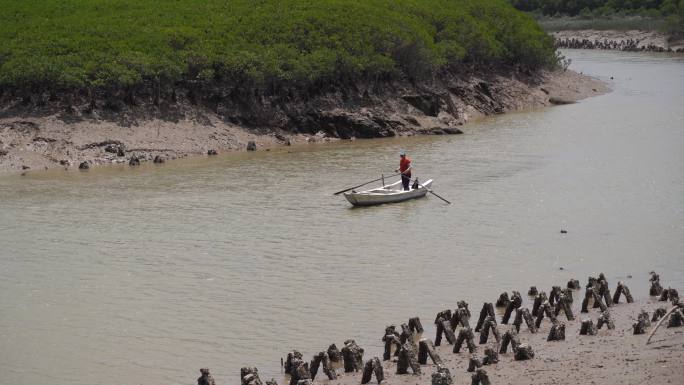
(405, 180)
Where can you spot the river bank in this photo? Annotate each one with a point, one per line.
(633, 40)
(611, 356)
(50, 133)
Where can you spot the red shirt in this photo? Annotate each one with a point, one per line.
(404, 164)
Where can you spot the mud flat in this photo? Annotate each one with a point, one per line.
(43, 134)
(597, 346)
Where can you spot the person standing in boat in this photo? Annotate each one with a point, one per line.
(405, 169)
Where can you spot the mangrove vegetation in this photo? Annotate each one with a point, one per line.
(87, 46)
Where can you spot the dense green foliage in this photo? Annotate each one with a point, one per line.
(597, 7)
(666, 14)
(122, 44)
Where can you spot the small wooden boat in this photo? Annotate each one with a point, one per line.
(391, 193)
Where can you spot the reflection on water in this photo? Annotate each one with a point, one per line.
(144, 275)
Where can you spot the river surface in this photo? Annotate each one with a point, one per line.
(143, 276)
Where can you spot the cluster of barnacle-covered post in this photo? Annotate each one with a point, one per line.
(427, 348)
(522, 313)
(391, 339)
(411, 355)
(514, 303)
(444, 326)
(656, 289)
(670, 295)
(373, 366)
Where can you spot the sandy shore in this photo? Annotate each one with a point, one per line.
(641, 39)
(33, 142)
(610, 357)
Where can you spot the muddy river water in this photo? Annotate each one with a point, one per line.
(143, 276)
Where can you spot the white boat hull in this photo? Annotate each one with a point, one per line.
(388, 194)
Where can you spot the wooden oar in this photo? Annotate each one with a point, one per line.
(434, 193)
(363, 184)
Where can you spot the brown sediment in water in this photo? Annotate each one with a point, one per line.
(57, 136)
(614, 354)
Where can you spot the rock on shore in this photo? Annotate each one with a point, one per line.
(57, 133)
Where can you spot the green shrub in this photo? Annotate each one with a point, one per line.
(115, 44)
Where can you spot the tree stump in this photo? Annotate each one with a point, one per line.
(598, 302)
(509, 338)
(622, 289)
(442, 377)
(463, 305)
(670, 294)
(604, 292)
(591, 282)
(557, 332)
(294, 358)
(487, 310)
(676, 319)
(656, 289)
(533, 291)
(588, 295)
(587, 328)
(373, 366)
(489, 324)
(538, 301)
(491, 356)
(503, 300)
(249, 376)
(300, 372)
(415, 325)
(524, 314)
(461, 316)
(605, 319)
(474, 363)
(658, 314)
(568, 294)
(316, 361)
(524, 352)
(514, 303)
(322, 359)
(639, 327)
(448, 332)
(407, 335)
(564, 303)
(391, 338)
(427, 348)
(328, 369)
(480, 378)
(334, 354)
(207, 379)
(643, 315)
(468, 336)
(573, 284)
(407, 358)
(545, 309)
(378, 370)
(353, 356)
(439, 323)
(554, 294)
